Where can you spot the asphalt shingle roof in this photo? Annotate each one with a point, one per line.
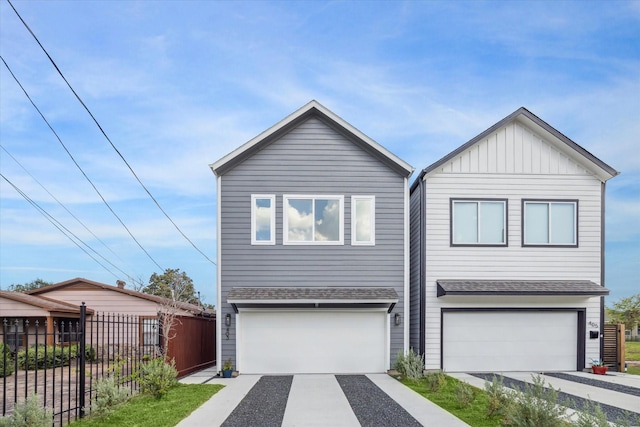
(520, 287)
(311, 294)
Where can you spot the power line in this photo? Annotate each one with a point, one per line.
(60, 227)
(59, 202)
(107, 138)
(78, 166)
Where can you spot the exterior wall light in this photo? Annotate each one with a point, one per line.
(227, 319)
(397, 319)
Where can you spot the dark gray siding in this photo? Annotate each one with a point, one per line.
(416, 222)
(312, 159)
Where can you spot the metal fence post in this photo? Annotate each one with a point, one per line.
(83, 354)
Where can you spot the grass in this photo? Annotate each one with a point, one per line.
(474, 415)
(632, 350)
(146, 411)
(635, 370)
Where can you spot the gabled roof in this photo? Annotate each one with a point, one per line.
(599, 168)
(159, 300)
(313, 108)
(44, 303)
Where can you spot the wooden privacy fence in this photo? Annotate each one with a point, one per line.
(613, 347)
(192, 344)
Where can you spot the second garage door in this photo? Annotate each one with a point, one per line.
(509, 341)
(312, 341)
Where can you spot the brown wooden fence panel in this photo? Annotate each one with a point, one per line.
(613, 354)
(193, 346)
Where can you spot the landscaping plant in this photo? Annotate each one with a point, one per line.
(464, 394)
(499, 398)
(410, 365)
(28, 413)
(6, 361)
(109, 394)
(536, 405)
(435, 380)
(157, 377)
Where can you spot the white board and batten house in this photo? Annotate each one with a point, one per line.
(507, 248)
(313, 248)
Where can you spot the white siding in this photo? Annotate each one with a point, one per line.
(515, 163)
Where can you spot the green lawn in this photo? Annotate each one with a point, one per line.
(632, 350)
(146, 411)
(475, 415)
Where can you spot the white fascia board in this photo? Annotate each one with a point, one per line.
(312, 301)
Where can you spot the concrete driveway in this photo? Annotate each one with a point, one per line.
(617, 393)
(314, 400)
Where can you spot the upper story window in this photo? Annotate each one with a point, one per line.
(478, 222)
(363, 220)
(263, 219)
(313, 220)
(550, 223)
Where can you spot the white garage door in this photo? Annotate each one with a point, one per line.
(509, 341)
(312, 341)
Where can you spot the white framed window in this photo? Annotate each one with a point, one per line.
(263, 219)
(363, 220)
(550, 223)
(311, 220)
(478, 222)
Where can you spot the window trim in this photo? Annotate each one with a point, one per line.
(313, 197)
(372, 241)
(272, 240)
(576, 216)
(505, 202)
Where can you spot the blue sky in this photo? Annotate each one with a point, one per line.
(178, 84)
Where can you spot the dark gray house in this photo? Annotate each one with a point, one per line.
(313, 249)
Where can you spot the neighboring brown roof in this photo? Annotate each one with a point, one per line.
(44, 303)
(520, 287)
(313, 294)
(79, 281)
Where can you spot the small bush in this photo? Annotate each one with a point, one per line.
(109, 395)
(44, 357)
(464, 394)
(537, 406)
(6, 368)
(410, 365)
(498, 397)
(29, 413)
(435, 380)
(156, 377)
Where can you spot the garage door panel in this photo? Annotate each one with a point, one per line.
(312, 342)
(509, 341)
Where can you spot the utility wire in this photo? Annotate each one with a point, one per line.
(59, 202)
(105, 135)
(60, 227)
(77, 165)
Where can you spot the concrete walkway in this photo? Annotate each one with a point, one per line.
(314, 400)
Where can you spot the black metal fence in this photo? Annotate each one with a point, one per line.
(60, 360)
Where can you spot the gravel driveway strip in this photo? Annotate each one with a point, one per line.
(264, 405)
(596, 383)
(568, 400)
(372, 406)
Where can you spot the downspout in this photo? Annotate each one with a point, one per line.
(407, 282)
(603, 187)
(219, 319)
(423, 266)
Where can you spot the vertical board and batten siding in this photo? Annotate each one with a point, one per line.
(512, 163)
(311, 159)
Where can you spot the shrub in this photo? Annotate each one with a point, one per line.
(410, 365)
(43, 357)
(109, 395)
(435, 380)
(6, 369)
(464, 394)
(30, 414)
(156, 377)
(498, 397)
(537, 406)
